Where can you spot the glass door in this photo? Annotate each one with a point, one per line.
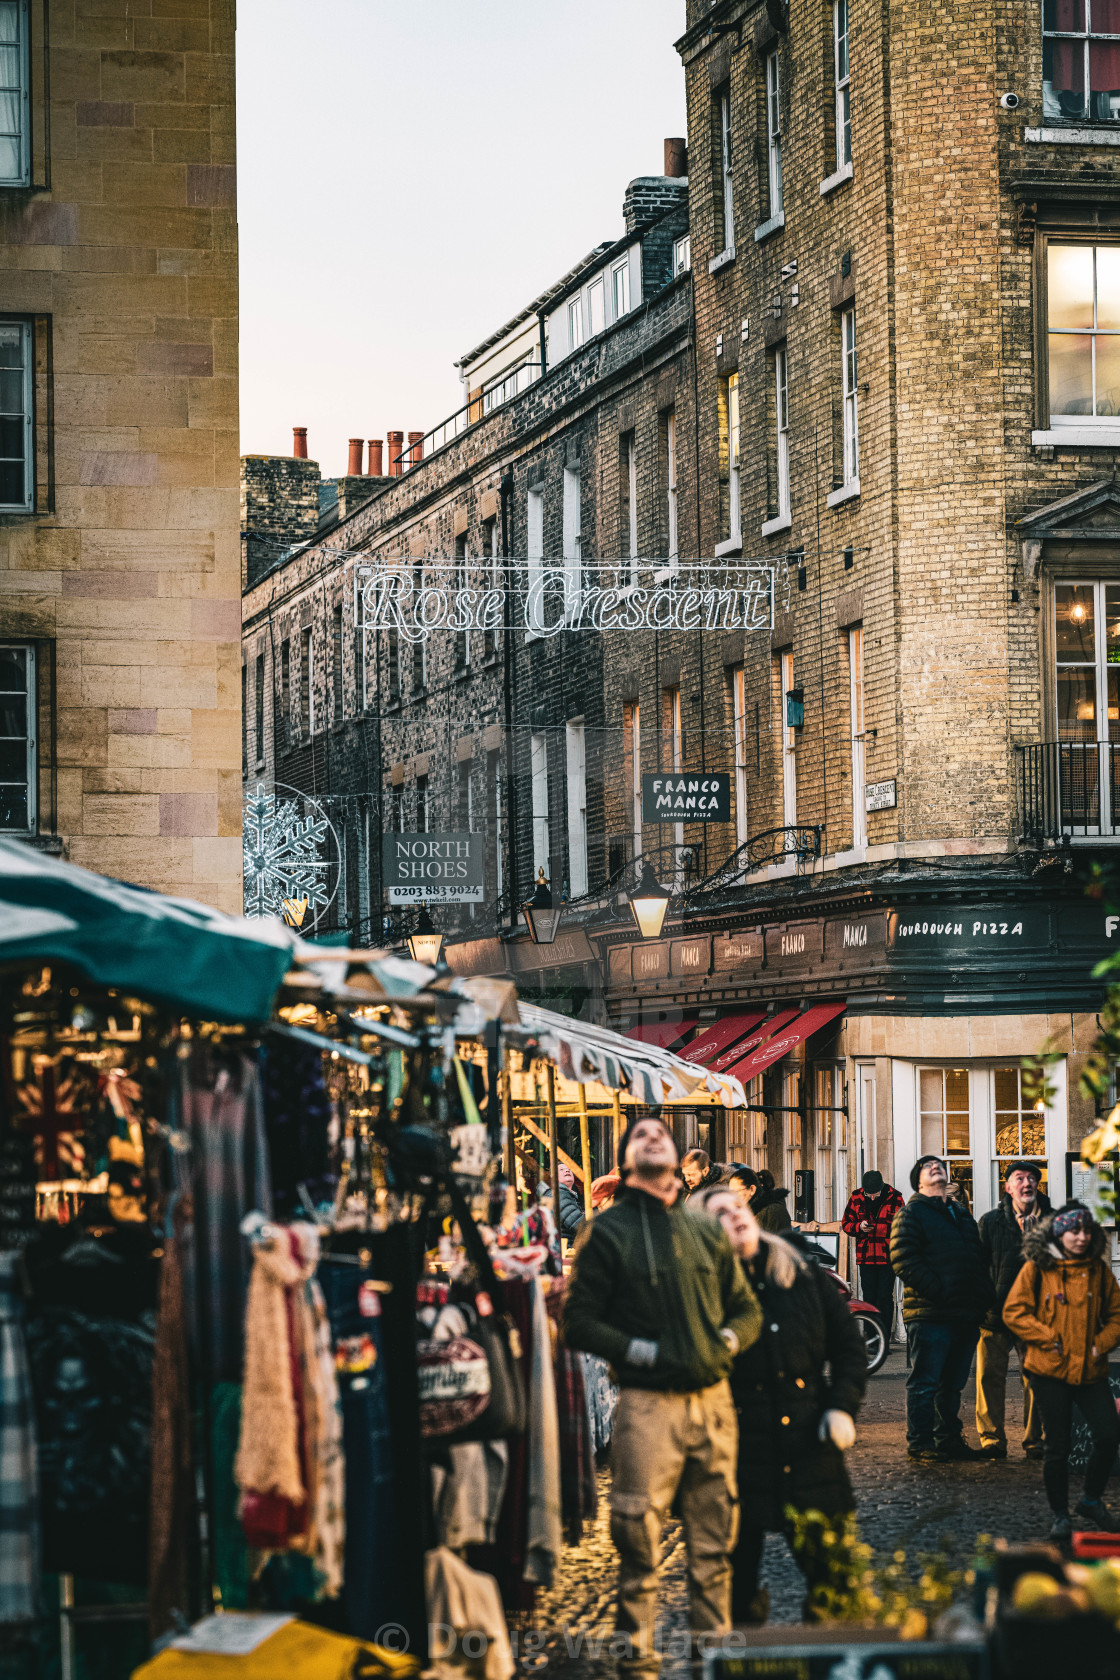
(945, 1121)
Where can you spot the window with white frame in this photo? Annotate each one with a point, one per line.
(831, 1119)
(733, 522)
(739, 716)
(1081, 60)
(781, 415)
(682, 254)
(534, 533)
(672, 750)
(945, 1120)
(1083, 333)
(575, 323)
(575, 742)
(794, 1127)
(396, 808)
(572, 541)
(538, 767)
(774, 132)
(18, 744)
(855, 703)
(15, 95)
(16, 409)
(596, 306)
(789, 746)
(620, 288)
(1087, 660)
(628, 502)
(841, 84)
(1020, 1126)
(422, 812)
(850, 387)
(671, 533)
(725, 197)
(307, 686)
(632, 756)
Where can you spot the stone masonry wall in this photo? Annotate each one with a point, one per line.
(127, 261)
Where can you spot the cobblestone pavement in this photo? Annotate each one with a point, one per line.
(900, 1505)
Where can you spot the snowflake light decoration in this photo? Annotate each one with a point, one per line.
(283, 847)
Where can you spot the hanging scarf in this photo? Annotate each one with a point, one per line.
(269, 1467)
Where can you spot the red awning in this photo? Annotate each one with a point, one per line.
(661, 1033)
(728, 1058)
(720, 1035)
(781, 1042)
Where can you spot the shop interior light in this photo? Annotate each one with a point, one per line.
(426, 943)
(542, 917)
(648, 903)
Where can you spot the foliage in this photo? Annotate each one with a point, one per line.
(905, 1593)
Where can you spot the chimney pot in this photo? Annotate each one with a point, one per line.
(299, 442)
(376, 469)
(395, 441)
(354, 463)
(676, 157)
(415, 453)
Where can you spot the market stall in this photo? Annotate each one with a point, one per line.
(281, 1311)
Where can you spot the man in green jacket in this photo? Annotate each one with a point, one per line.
(656, 1291)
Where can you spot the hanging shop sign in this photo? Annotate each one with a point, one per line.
(433, 868)
(418, 597)
(686, 796)
(880, 796)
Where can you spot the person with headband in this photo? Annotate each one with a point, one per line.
(797, 1391)
(657, 1292)
(1065, 1307)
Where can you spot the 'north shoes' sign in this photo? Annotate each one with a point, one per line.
(433, 868)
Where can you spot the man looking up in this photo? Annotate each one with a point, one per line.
(935, 1249)
(656, 1291)
(1021, 1208)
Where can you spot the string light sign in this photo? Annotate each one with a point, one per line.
(291, 869)
(423, 596)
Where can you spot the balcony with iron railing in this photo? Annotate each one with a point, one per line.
(1070, 792)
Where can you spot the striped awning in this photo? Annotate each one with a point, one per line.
(784, 1033)
(661, 1033)
(590, 1054)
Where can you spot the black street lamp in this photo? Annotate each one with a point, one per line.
(426, 943)
(542, 917)
(648, 903)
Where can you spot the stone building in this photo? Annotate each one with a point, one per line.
(482, 730)
(119, 612)
(905, 234)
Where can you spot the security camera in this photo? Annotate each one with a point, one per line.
(1009, 101)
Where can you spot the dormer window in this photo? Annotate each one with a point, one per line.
(1081, 60)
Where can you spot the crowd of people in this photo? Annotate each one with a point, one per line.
(741, 1371)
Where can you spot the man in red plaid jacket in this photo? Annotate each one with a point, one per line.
(868, 1218)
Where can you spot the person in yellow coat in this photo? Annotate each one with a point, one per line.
(1064, 1307)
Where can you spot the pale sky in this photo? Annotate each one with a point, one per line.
(411, 174)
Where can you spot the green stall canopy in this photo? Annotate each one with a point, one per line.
(169, 950)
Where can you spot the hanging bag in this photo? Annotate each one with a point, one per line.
(496, 1334)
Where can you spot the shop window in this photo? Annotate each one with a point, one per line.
(794, 1130)
(1081, 60)
(1020, 1126)
(1083, 333)
(832, 1143)
(945, 1123)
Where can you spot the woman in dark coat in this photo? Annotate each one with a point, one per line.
(795, 1417)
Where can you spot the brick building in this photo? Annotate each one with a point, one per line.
(905, 226)
(485, 730)
(889, 375)
(120, 611)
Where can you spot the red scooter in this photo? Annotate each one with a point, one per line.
(871, 1326)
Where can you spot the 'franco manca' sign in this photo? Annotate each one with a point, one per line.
(686, 796)
(433, 868)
